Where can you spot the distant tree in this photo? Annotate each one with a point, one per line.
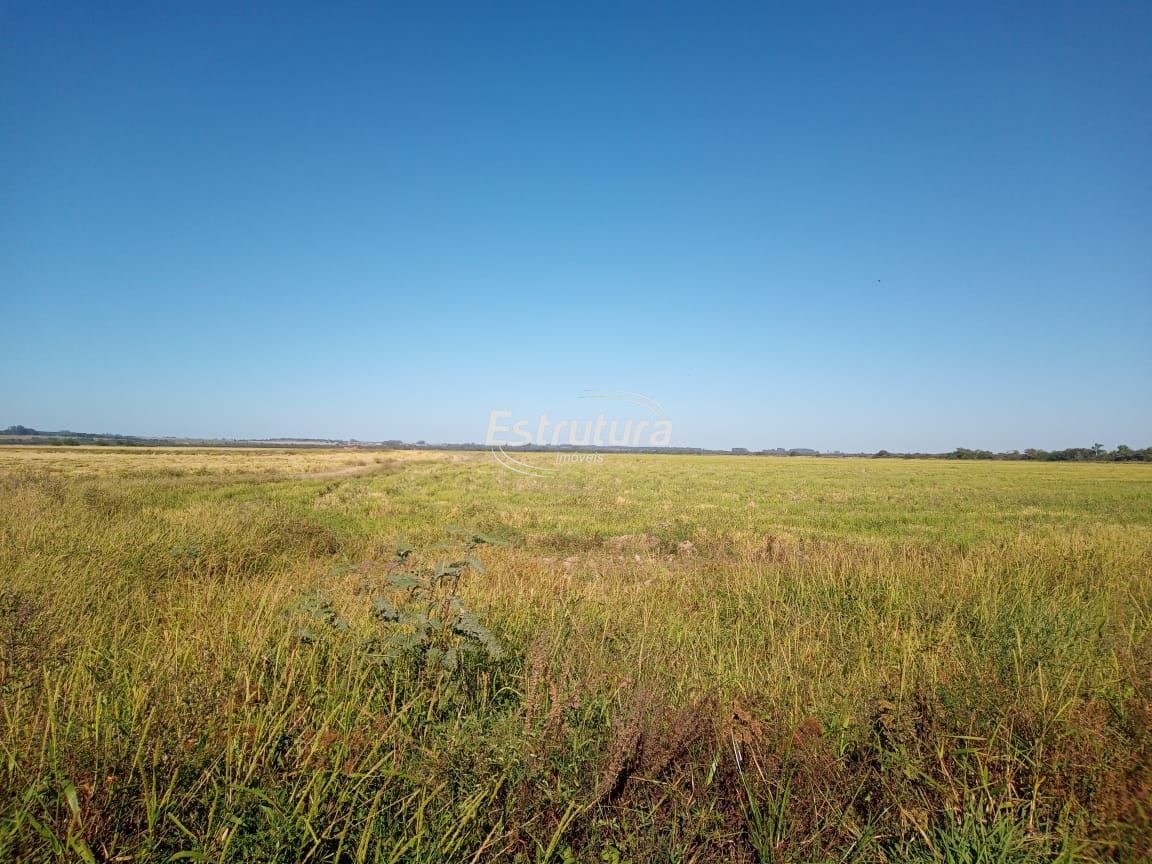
(965, 453)
(1072, 454)
(1097, 449)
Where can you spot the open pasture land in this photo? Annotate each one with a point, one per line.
(274, 655)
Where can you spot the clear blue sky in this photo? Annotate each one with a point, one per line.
(839, 225)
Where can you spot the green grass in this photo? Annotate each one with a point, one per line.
(702, 659)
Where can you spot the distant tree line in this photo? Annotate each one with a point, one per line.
(1095, 453)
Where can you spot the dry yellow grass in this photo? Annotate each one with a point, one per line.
(704, 659)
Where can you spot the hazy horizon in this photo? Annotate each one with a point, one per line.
(480, 443)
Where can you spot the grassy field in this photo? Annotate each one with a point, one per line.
(242, 655)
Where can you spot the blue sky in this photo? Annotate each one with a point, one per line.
(841, 225)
